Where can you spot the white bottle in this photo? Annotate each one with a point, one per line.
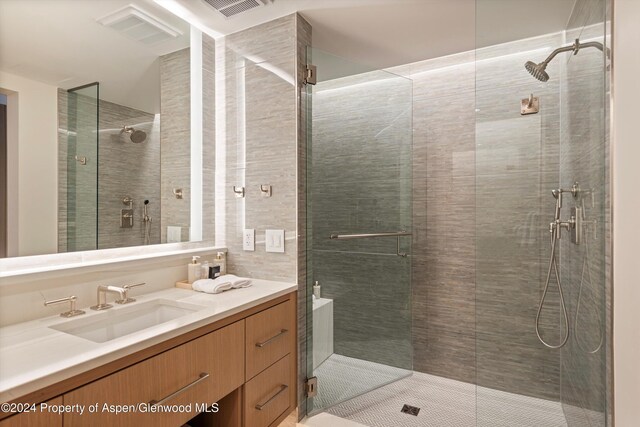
(194, 270)
(221, 261)
(205, 270)
(316, 289)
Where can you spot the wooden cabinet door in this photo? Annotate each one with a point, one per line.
(182, 381)
(270, 335)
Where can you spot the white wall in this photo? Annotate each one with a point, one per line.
(626, 211)
(32, 165)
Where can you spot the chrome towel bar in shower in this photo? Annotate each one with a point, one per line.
(396, 234)
(364, 236)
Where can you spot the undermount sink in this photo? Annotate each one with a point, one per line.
(118, 322)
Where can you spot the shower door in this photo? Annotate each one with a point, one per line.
(81, 170)
(359, 223)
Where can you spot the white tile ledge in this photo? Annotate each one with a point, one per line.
(21, 266)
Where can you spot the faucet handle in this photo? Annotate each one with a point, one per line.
(126, 299)
(72, 309)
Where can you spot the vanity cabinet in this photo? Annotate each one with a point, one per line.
(36, 419)
(238, 371)
(199, 372)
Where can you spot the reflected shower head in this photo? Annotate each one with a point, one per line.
(537, 70)
(136, 136)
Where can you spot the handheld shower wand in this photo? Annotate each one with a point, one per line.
(147, 223)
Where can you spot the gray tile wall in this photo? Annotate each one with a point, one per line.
(256, 73)
(175, 141)
(481, 210)
(584, 269)
(127, 169)
(123, 169)
(360, 182)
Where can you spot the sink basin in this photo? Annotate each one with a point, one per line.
(118, 322)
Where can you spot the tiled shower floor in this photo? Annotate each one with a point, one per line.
(443, 402)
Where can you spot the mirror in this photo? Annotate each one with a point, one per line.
(95, 126)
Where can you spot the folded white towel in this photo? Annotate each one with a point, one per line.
(236, 282)
(220, 284)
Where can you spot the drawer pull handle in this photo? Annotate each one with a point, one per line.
(261, 406)
(203, 376)
(278, 335)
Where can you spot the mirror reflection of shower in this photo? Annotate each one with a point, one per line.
(146, 219)
(135, 135)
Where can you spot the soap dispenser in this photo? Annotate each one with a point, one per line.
(194, 270)
(221, 261)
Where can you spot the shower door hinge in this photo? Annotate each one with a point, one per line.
(311, 76)
(311, 386)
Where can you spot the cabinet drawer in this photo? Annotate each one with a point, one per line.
(36, 419)
(268, 395)
(270, 336)
(200, 371)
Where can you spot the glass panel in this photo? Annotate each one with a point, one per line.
(82, 168)
(359, 181)
(522, 378)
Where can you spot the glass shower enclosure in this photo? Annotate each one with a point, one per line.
(359, 224)
(82, 168)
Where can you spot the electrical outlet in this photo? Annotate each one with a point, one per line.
(274, 240)
(249, 239)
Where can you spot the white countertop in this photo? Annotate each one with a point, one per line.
(33, 356)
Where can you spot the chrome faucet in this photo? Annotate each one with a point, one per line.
(123, 292)
(126, 299)
(102, 292)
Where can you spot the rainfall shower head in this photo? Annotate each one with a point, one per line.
(537, 70)
(136, 136)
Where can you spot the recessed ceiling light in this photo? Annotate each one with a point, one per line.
(139, 25)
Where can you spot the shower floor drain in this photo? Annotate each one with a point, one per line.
(411, 410)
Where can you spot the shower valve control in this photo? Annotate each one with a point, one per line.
(126, 218)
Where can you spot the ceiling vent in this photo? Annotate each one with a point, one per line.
(139, 25)
(231, 8)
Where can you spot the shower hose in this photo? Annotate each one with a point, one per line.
(553, 266)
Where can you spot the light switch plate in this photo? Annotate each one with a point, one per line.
(274, 240)
(249, 239)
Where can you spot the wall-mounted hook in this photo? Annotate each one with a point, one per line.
(81, 159)
(239, 191)
(265, 189)
(178, 193)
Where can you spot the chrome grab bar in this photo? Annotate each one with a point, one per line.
(260, 406)
(203, 376)
(366, 235)
(396, 234)
(279, 334)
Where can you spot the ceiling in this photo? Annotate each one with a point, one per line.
(59, 41)
(385, 33)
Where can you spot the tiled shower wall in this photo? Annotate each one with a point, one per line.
(584, 268)
(482, 175)
(124, 169)
(360, 182)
